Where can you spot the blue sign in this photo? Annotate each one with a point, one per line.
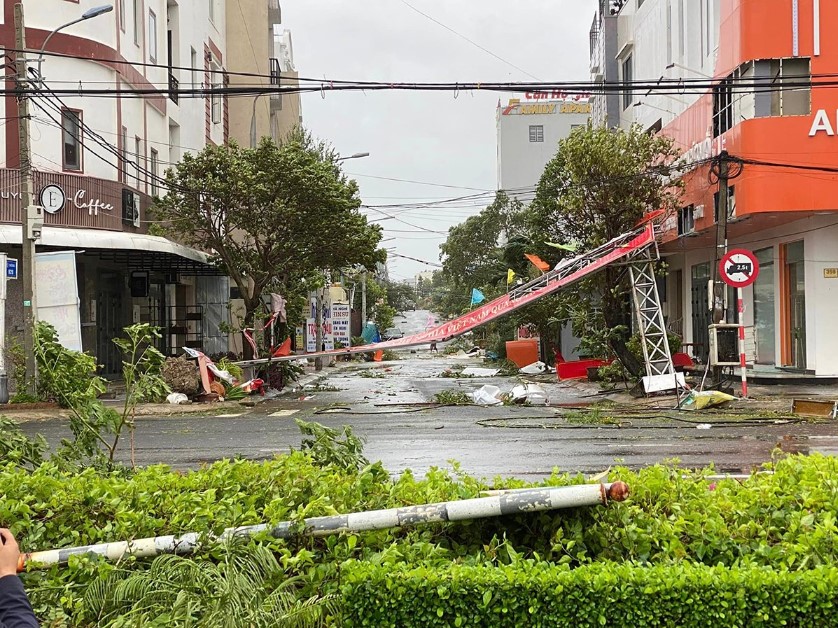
(11, 269)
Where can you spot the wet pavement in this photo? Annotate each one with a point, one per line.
(521, 441)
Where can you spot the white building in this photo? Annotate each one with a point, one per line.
(529, 129)
(97, 160)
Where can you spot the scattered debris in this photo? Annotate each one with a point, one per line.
(700, 400)
(815, 408)
(487, 395)
(283, 413)
(703, 426)
(476, 371)
(177, 399)
(181, 375)
(453, 398)
(537, 368)
(529, 393)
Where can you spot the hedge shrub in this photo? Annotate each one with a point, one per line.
(605, 594)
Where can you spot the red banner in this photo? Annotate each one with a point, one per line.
(503, 305)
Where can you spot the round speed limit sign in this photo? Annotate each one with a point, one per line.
(739, 268)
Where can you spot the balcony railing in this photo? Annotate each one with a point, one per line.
(174, 86)
(276, 72)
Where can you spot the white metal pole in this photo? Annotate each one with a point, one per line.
(742, 362)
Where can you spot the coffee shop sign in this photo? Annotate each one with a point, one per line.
(53, 200)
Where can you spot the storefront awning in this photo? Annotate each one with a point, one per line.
(138, 251)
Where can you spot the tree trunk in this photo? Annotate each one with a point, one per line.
(247, 323)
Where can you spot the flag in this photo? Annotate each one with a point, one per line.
(476, 296)
(539, 263)
(572, 247)
(510, 276)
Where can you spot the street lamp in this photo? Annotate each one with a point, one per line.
(87, 15)
(31, 214)
(355, 156)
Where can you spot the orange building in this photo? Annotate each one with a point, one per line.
(771, 102)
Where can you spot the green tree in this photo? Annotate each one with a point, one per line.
(271, 215)
(599, 185)
(472, 255)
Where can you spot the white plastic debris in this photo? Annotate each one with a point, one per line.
(177, 399)
(536, 368)
(487, 395)
(476, 371)
(703, 426)
(529, 393)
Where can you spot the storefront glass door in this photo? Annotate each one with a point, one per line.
(764, 303)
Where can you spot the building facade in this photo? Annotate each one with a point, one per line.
(99, 160)
(765, 107)
(529, 129)
(260, 53)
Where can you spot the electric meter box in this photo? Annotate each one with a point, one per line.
(724, 344)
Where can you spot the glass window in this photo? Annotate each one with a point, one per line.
(121, 9)
(71, 139)
(138, 153)
(764, 303)
(123, 174)
(791, 100)
(536, 133)
(628, 95)
(152, 37)
(137, 22)
(155, 168)
(217, 84)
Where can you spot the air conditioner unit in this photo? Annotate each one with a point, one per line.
(724, 344)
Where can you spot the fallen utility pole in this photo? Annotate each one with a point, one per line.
(518, 502)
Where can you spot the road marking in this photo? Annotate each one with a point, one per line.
(283, 413)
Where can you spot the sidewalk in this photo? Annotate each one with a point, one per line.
(43, 411)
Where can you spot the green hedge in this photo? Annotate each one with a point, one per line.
(605, 594)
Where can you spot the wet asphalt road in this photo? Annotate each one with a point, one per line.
(509, 441)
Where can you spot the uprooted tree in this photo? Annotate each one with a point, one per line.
(270, 216)
(599, 185)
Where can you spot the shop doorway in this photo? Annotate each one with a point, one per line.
(699, 298)
(764, 304)
(109, 323)
(793, 294)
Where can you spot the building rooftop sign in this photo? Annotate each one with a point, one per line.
(517, 108)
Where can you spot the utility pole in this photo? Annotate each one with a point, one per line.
(363, 300)
(31, 216)
(318, 323)
(719, 287)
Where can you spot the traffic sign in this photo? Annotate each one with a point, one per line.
(739, 268)
(11, 268)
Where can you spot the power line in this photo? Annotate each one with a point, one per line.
(471, 41)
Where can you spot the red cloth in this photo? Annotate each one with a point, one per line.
(283, 349)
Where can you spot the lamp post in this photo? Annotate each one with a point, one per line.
(355, 156)
(89, 14)
(31, 214)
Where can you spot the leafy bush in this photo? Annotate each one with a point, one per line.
(453, 398)
(225, 364)
(605, 594)
(17, 448)
(785, 521)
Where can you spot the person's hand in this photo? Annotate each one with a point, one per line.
(9, 553)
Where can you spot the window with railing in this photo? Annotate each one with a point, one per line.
(174, 86)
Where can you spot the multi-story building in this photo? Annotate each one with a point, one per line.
(529, 129)
(259, 53)
(99, 160)
(762, 101)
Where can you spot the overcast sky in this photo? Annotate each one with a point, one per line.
(419, 136)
